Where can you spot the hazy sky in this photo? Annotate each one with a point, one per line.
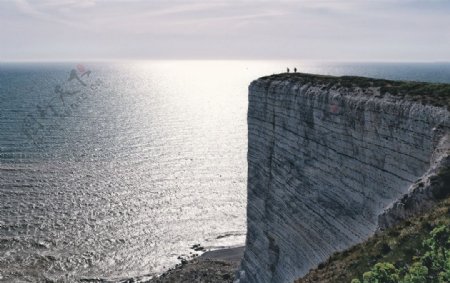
(360, 30)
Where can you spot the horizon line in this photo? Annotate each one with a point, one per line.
(215, 59)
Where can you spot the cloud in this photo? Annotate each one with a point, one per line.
(185, 28)
(33, 10)
(66, 3)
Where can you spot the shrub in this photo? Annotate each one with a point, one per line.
(382, 272)
(417, 273)
(432, 267)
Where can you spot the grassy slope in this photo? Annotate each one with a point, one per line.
(436, 94)
(398, 245)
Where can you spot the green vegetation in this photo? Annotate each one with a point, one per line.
(433, 266)
(436, 94)
(406, 247)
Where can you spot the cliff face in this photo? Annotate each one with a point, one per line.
(328, 162)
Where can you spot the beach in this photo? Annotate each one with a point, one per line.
(212, 266)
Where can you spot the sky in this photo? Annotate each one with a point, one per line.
(323, 30)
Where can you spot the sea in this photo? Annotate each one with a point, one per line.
(115, 170)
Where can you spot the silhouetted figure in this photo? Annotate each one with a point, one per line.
(295, 70)
(287, 70)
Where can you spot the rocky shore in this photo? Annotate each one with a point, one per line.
(211, 267)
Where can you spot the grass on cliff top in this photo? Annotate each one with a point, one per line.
(398, 245)
(436, 94)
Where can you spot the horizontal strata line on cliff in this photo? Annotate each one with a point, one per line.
(253, 111)
(320, 160)
(337, 225)
(360, 146)
(367, 197)
(318, 244)
(359, 160)
(370, 103)
(325, 181)
(425, 91)
(329, 131)
(346, 117)
(340, 201)
(327, 147)
(274, 105)
(306, 200)
(348, 156)
(333, 185)
(368, 141)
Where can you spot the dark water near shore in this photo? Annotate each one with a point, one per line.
(118, 173)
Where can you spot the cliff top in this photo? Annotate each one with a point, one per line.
(436, 94)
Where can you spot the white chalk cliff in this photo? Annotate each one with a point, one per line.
(330, 163)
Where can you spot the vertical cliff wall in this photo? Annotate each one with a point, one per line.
(327, 158)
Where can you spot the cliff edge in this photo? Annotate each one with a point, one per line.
(331, 160)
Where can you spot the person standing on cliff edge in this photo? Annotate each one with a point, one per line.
(287, 70)
(295, 70)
